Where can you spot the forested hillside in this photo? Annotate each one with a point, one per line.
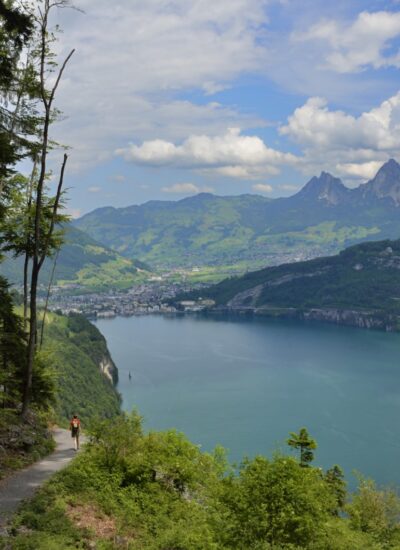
(364, 278)
(85, 374)
(82, 261)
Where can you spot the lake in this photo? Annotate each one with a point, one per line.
(246, 383)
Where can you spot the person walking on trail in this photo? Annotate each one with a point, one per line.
(75, 426)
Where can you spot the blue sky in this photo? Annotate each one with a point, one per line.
(167, 98)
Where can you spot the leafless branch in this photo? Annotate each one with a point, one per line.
(54, 213)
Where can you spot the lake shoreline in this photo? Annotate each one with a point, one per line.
(371, 320)
(367, 320)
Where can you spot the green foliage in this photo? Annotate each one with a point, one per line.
(12, 350)
(22, 442)
(335, 478)
(158, 491)
(17, 227)
(115, 440)
(44, 382)
(277, 502)
(75, 349)
(15, 30)
(376, 511)
(305, 444)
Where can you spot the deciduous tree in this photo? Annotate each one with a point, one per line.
(49, 75)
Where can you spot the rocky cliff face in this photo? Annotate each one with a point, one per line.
(361, 319)
(109, 369)
(326, 189)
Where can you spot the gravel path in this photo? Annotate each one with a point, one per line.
(23, 484)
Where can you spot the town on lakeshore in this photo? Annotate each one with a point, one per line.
(142, 299)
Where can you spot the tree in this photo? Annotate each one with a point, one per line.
(49, 79)
(17, 228)
(16, 27)
(376, 511)
(305, 444)
(274, 502)
(12, 349)
(335, 479)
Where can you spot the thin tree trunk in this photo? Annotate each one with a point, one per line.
(26, 266)
(46, 305)
(31, 339)
(27, 247)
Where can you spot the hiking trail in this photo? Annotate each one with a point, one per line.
(23, 484)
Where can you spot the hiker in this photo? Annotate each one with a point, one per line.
(75, 426)
(130, 376)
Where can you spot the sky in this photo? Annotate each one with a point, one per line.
(163, 99)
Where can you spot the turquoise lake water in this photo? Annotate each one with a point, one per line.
(245, 384)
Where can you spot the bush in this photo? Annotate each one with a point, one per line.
(275, 502)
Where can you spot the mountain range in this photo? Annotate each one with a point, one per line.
(250, 231)
(223, 235)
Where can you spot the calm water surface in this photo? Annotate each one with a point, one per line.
(246, 383)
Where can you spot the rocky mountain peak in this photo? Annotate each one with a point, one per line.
(391, 168)
(325, 188)
(386, 183)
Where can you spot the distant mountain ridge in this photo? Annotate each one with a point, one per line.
(250, 231)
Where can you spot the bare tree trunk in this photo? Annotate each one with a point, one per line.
(46, 305)
(27, 257)
(26, 397)
(26, 268)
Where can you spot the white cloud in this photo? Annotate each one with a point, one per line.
(231, 154)
(262, 188)
(315, 125)
(348, 145)
(135, 60)
(133, 56)
(364, 170)
(94, 189)
(187, 188)
(356, 46)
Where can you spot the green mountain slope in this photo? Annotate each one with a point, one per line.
(85, 373)
(252, 231)
(85, 262)
(364, 278)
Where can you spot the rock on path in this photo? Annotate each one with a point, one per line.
(23, 484)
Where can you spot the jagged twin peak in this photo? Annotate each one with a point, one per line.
(325, 188)
(332, 191)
